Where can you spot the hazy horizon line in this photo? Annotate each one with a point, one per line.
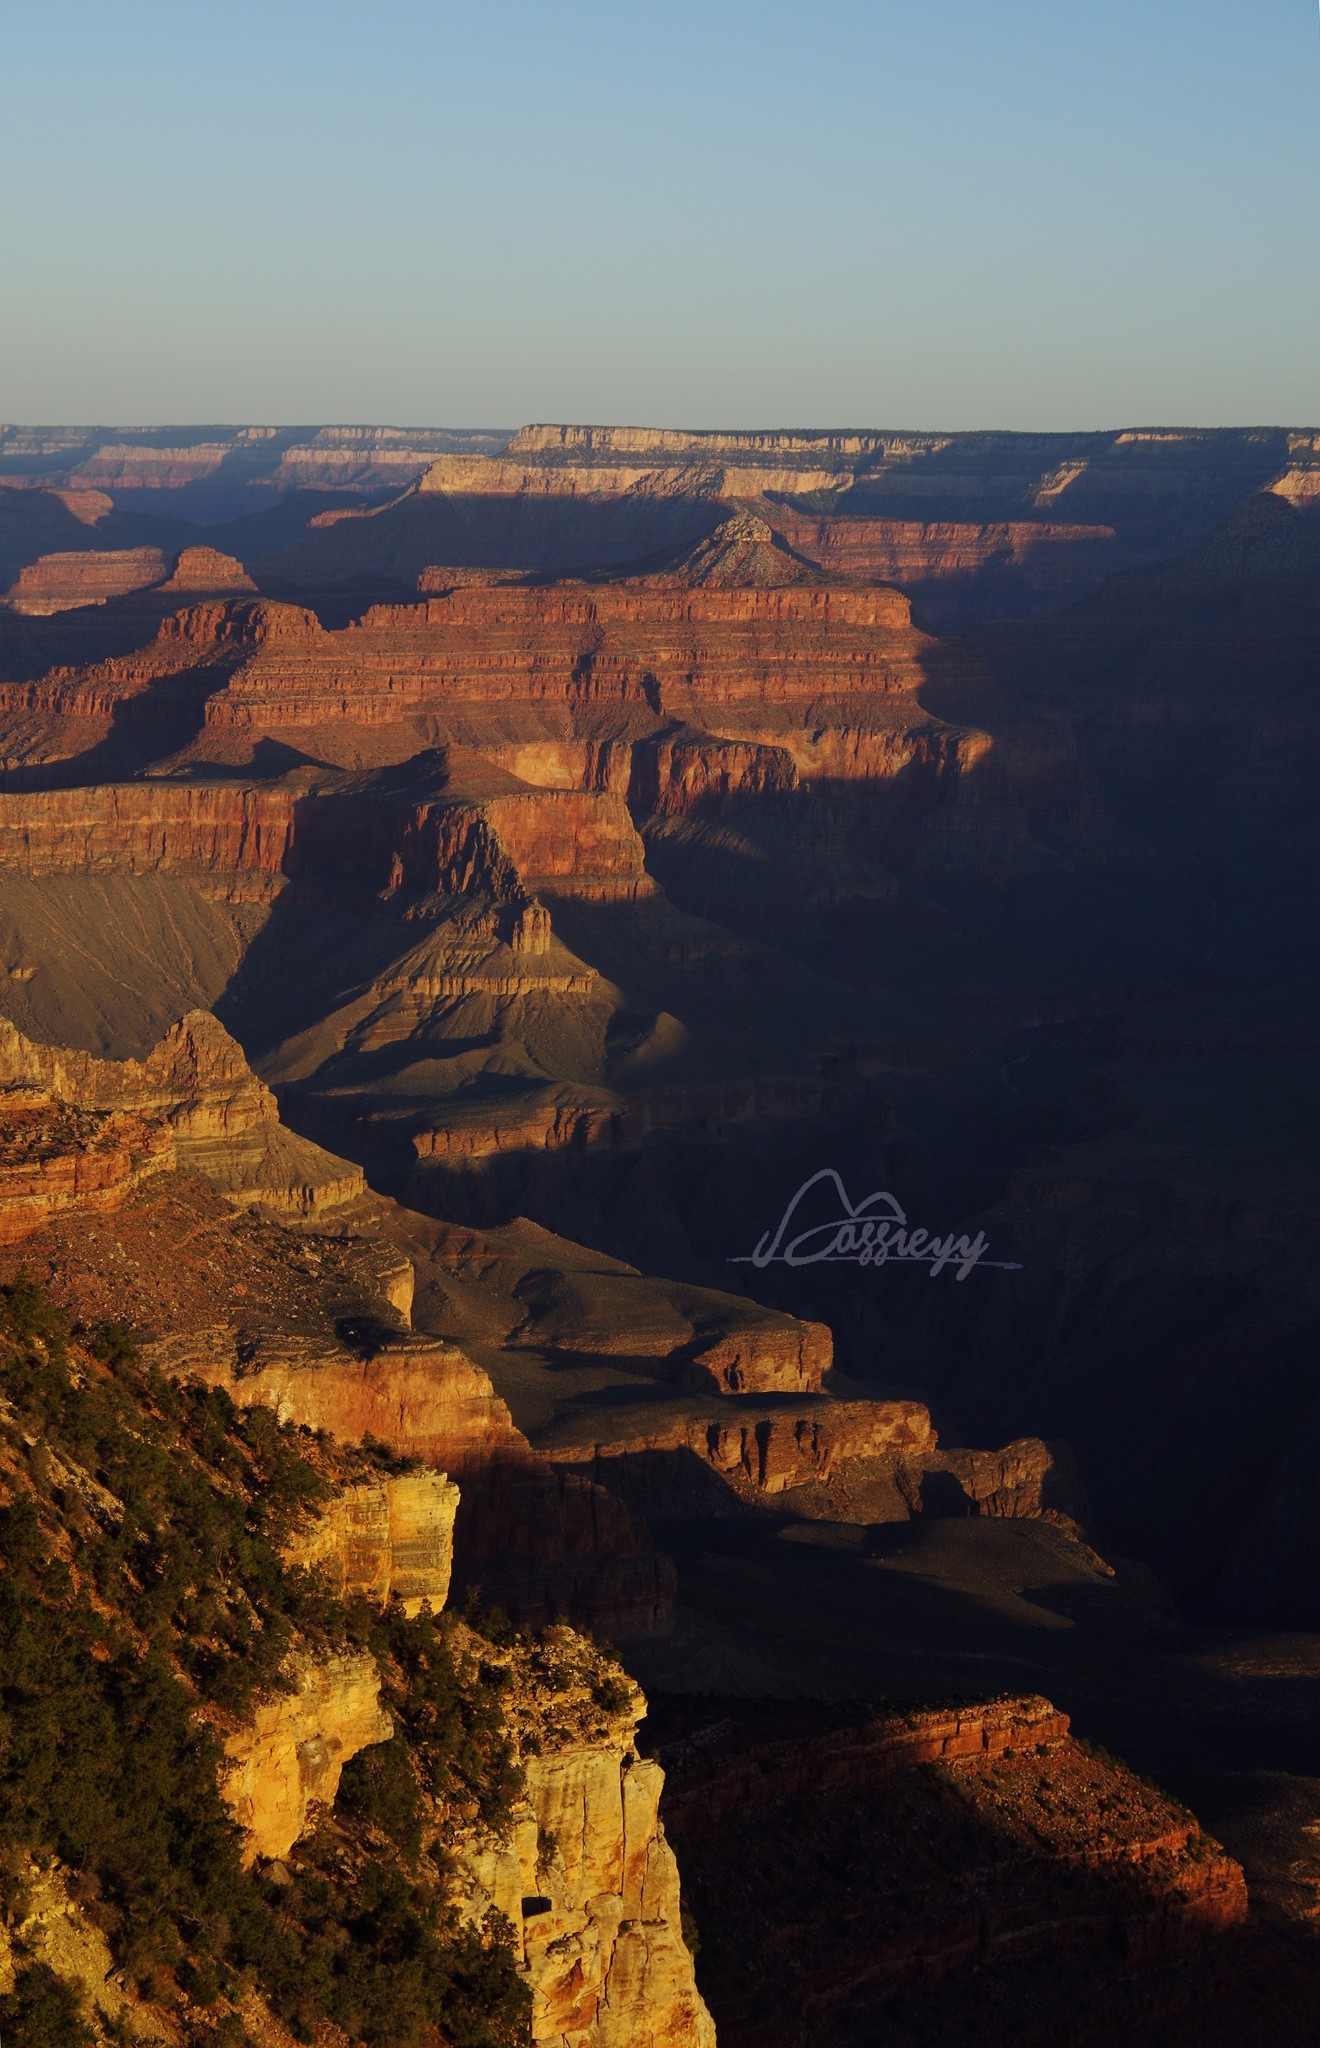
(640, 426)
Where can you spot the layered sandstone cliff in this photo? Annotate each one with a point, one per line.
(63, 582)
(581, 1870)
(537, 1540)
(585, 1875)
(193, 1102)
(55, 1158)
(389, 1537)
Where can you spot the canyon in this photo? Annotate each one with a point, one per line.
(453, 890)
(581, 1871)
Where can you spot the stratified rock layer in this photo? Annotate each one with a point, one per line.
(585, 1875)
(386, 1538)
(193, 1102)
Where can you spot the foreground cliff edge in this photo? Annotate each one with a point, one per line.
(245, 1799)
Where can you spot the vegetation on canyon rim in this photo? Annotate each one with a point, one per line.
(140, 1580)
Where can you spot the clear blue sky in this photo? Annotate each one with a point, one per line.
(938, 213)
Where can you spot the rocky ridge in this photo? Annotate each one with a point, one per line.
(1060, 1857)
(94, 1129)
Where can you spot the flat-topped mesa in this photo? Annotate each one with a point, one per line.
(873, 1461)
(204, 570)
(756, 1456)
(574, 443)
(235, 461)
(211, 1114)
(1137, 472)
(651, 649)
(220, 627)
(65, 582)
(730, 670)
(991, 565)
(126, 465)
(93, 576)
(697, 479)
(566, 842)
(574, 462)
(687, 772)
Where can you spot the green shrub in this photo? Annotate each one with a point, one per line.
(42, 2012)
(379, 1785)
(455, 1730)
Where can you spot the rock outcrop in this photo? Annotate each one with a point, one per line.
(390, 1537)
(421, 1398)
(754, 1455)
(60, 583)
(203, 571)
(193, 1102)
(535, 1539)
(54, 1157)
(287, 1761)
(585, 1875)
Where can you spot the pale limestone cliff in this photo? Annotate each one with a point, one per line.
(481, 476)
(288, 1759)
(612, 1958)
(388, 1537)
(582, 1871)
(585, 1874)
(423, 1398)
